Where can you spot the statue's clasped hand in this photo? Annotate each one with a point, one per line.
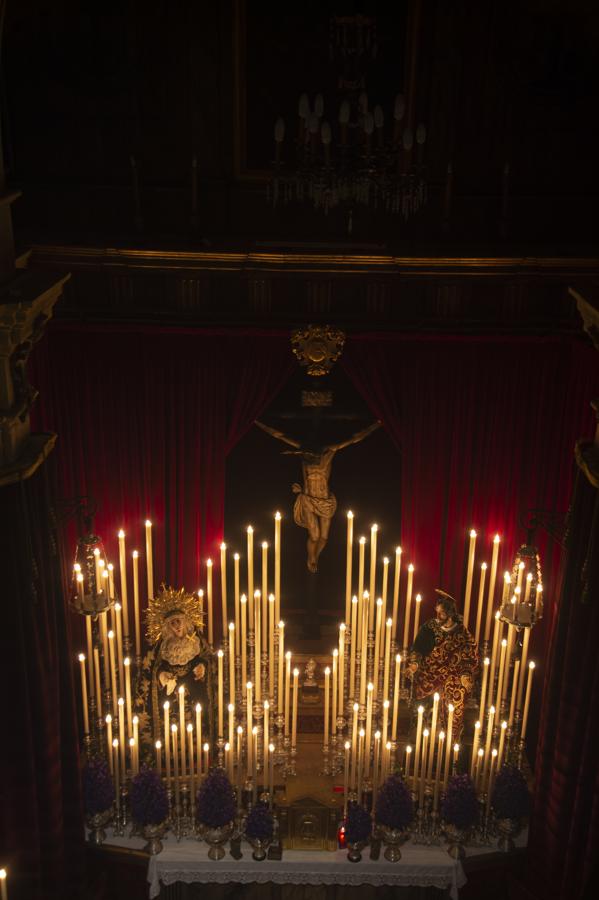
(199, 672)
(168, 681)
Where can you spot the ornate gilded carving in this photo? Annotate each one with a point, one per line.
(318, 347)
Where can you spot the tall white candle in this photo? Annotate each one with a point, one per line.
(294, 717)
(361, 552)
(387, 662)
(531, 668)
(348, 565)
(257, 644)
(158, 746)
(396, 576)
(271, 647)
(84, 694)
(479, 608)
(277, 566)
(221, 700)
(417, 614)
(167, 740)
(237, 606)
(377, 645)
(334, 691)
(108, 721)
(223, 586)
(450, 709)
(264, 634)
(90, 655)
(266, 736)
(354, 745)
(182, 730)
(149, 559)
(406, 626)
(231, 662)
(352, 656)
(491, 594)
(112, 670)
(504, 726)
(372, 581)
(417, 752)
(280, 670)
(436, 698)
(396, 697)
(244, 669)
(249, 724)
(199, 737)
(136, 603)
(287, 690)
(250, 548)
(98, 685)
(483, 690)
(469, 571)
(327, 677)
(209, 602)
(127, 667)
(341, 670)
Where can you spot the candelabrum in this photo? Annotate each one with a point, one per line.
(291, 770)
(339, 756)
(326, 768)
(280, 751)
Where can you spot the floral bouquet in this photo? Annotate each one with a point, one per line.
(358, 828)
(98, 787)
(510, 799)
(259, 829)
(394, 806)
(459, 807)
(216, 800)
(148, 798)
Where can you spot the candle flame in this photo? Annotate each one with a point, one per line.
(386, 704)
(418, 598)
(231, 707)
(81, 657)
(264, 545)
(198, 707)
(243, 599)
(271, 598)
(236, 557)
(420, 710)
(362, 540)
(206, 748)
(377, 735)
(231, 626)
(456, 748)
(240, 729)
(158, 745)
(398, 658)
(174, 728)
(411, 567)
(295, 673)
(249, 685)
(96, 552)
(266, 704)
(408, 749)
(257, 595)
(181, 688)
(278, 516)
(281, 624)
(531, 665)
(132, 742)
(347, 745)
(472, 533)
(189, 727)
(220, 655)
(504, 642)
(529, 576)
(389, 623)
(166, 705)
(121, 701)
(370, 686)
(492, 710)
(520, 565)
(209, 563)
(450, 707)
(200, 593)
(354, 599)
(379, 601)
(493, 752)
(385, 560)
(436, 697)
(481, 752)
(108, 719)
(425, 733)
(484, 566)
(288, 655)
(115, 743)
(342, 627)
(79, 577)
(507, 577)
(148, 523)
(504, 724)
(110, 567)
(77, 567)
(477, 724)
(223, 546)
(496, 539)
(110, 635)
(121, 534)
(374, 527)
(250, 530)
(3, 874)
(441, 735)
(126, 661)
(135, 554)
(486, 661)
(362, 732)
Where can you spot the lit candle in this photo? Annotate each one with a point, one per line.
(386, 705)
(450, 708)
(271, 647)
(80, 594)
(490, 783)
(520, 574)
(112, 670)
(254, 742)
(334, 689)
(375, 766)
(158, 746)
(199, 737)
(423, 767)
(527, 588)
(474, 748)
(438, 770)
(110, 568)
(395, 697)
(407, 762)
(396, 591)
(237, 610)
(220, 693)
(490, 721)
(201, 605)
(108, 721)
(239, 765)
(483, 690)
(406, 626)
(97, 579)
(223, 586)
(341, 669)
(149, 561)
(531, 667)
(496, 637)
(244, 669)
(192, 788)
(523, 659)
(257, 656)
(3, 889)
(501, 675)
(368, 726)
(264, 594)
(249, 724)
(280, 696)
(294, 716)
(250, 593)
(127, 667)
(354, 745)
(364, 649)
(266, 736)
(115, 769)
(511, 633)
(209, 602)
(231, 711)
(119, 644)
(418, 734)
(271, 774)
(348, 564)
(479, 608)
(456, 753)
(387, 663)
(136, 743)
(347, 745)
(514, 691)
(287, 689)
(504, 726)
(360, 763)
(436, 698)
(182, 729)
(98, 686)
(121, 715)
(277, 566)
(231, 662)
(352, 656)
(132, 768)
(167, 740)
(176, 762)
(491, 594)
(90, 655)
(84, 694)
(480, 769)
(372, 580)
(469, 571)
(377, 645)
(362, 550)
(136, 603)
(206, 758)
(417, 614)
(327, 676)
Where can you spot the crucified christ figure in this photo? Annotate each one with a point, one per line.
(315, 506)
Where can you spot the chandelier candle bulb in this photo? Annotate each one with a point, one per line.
(475, 743)
(250, 549)
(121, 715)
(294, 715)
(491, 593)
(198, 710)
(387, 663)
(277, 566)
(483, 690)
(425, 734)
(167, 740)
(281, 668)
(522, 675)
(175, 749)
(112, 670)
(341, 669)
(396, 576)
(287, 690)
(436, 698)
(97, 678)
(257, 642)
(352, 656)
(531, 667)
(396, 697)
(348, 565)
(209, 602)
(271, 647)
(249, 723)
(479, 608)
(84, 694)
(504, 727)
(377, 645)
(264, 595)
(354, 746)
(418, 747)
(334, 688)
(406, 626)
(237, 606)
(181, 693)
(361, 554)
(515, 680)
(223, 586)
(450, 709)
(136, 603)
(127, 667)
(221, 699)
(469, 572)
(231, 662)
(327, 677)
(417, 614)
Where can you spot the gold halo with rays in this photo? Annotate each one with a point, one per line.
(168, 602)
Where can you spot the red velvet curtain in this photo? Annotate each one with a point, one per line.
(564, 840)
(485, 428)
(145, 418)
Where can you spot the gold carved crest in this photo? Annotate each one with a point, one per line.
(318, 347)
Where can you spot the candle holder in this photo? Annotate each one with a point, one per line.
(264, 674)
(239, 686)
(520, 753)
(291, 770)
(326, 769)
(339, 761)
(419, 833)
(404, 691)
(435, 828)
(280, 755)
(220, 751)
(258, 723)
(370, 656)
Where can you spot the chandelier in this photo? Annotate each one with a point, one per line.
(348, 150)
(522, 606)
(92, 589)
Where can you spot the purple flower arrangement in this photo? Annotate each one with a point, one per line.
(259, 825)
(394, 806)
(358, 825)
(148, 798)
(460, 806)
(510, 799)
(216, 800)
(98, 787)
